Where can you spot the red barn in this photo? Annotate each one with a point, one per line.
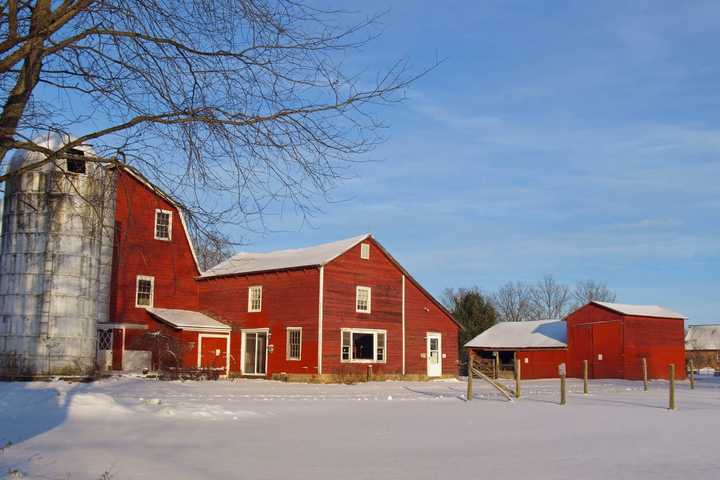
(340, 308)
(615, 337)
(331, 309)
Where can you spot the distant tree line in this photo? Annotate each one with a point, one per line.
(519, 301)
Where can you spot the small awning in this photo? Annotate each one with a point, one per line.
(188, 320)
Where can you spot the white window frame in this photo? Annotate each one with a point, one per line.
(358, 289)
(375, 333)
(287, 344)
(365, 251)
(152, 290)
(250, 298)
(170, 224)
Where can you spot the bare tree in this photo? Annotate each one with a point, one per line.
(512, 302)
(212, 248)
(549, 299)
(231, 106)
(587, 291)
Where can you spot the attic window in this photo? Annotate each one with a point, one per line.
(76, 165)
(365, 251)
(163, 224)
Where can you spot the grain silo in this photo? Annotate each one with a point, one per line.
(55, 262)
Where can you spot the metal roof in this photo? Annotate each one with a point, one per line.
(703, 337)
(247, 262)
(641, 310)
(519, 335)
(188, 320)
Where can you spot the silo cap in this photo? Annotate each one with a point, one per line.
(52, 141)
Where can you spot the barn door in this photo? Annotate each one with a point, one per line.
(583, 346)
(213, 352)
(607, 350)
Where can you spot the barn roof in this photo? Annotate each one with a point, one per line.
(188, 320)
(703, 337)
(519, 335)
(251, 262)
(315, 256)
(641, 310)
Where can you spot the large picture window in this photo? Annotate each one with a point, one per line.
(363, 346)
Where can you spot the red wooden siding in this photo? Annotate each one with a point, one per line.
(289, 299)
(136, 252)
(660, 340)
(341, 276)
(422, 315)
(541, 363)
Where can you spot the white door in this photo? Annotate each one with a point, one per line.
(434, 355)
(254, 355)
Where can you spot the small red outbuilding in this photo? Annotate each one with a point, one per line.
(615, 337)
(539, 345)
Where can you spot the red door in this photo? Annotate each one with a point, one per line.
(607, 350)
(583, 347)
(213, 352)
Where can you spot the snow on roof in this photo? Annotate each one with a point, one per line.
(247, 262)
(515, 335)
(188, 320)
(703, 337)
(641, 310)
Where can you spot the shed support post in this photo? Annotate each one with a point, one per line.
(518, 376)
(496, 370)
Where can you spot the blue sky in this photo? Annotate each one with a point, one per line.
(579, 139)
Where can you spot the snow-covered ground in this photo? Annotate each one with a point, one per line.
(254, 429)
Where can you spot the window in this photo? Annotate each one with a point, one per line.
(104, 339)
(76, 165)
(294, 338)
(254, 299)
(144, 291)
(362, 299)
(365, 251)
(363, 346)
(163, 225)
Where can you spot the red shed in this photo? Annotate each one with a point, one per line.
(539, 345)
(615, 337)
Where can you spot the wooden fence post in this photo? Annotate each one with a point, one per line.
(369, 373)
(563, 392)
(585, 377)
(692, 374)
(518, 376)
(644, 369)
(496, 371)
(671, 405)
(469, 394)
